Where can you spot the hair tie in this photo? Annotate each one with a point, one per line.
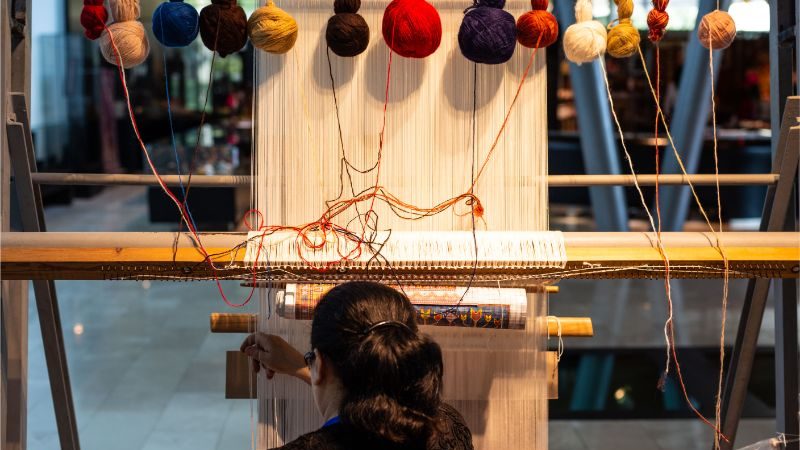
(386, 323)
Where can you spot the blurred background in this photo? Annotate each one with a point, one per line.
(146, 372)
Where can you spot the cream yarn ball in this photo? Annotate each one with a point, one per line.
(585, 40)
(131, 41)
(128, 35)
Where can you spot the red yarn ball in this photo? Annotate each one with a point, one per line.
(93, 18)
(537, 28)
(412, 28)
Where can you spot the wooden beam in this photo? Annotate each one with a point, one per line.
(156, 256)
(246, 323)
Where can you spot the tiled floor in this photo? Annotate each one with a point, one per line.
(147, 374)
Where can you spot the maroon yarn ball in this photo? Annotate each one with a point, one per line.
(93, 18)
(223, 27)
(412, 28)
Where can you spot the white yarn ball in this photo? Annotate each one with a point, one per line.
(585, 40)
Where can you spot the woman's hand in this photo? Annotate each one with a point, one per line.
(275, 355)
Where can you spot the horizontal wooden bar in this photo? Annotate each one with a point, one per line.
(246, 323)
(160, 255)
(553, 181)
(570, 326)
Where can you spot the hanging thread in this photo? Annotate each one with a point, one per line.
(176, 23)
(488, 34)
(585, 40)
(272, 29)
(412, 28)
(347, 33)
(130, 37)
(223, 27)
(623, 38)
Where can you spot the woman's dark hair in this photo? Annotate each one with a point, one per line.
(392, 374)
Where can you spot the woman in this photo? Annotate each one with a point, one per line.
(376, 380)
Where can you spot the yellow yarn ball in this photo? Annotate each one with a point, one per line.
(623, 39)
(272, 29)
(131, 42)
(717, 30)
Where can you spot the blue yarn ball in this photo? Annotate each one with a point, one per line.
(175, 23)
(488, 35)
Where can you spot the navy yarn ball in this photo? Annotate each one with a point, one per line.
(175, 23)
(488, 35)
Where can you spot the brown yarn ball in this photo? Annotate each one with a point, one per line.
(223, 27)
(131, 41)
(717, 30)
(347, 33)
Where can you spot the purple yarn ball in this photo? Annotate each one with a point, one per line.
(488, 35)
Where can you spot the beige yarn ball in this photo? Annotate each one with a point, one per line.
(124, 10)
(585, 40)
(717, 30)
(272, 29)
(131, 41)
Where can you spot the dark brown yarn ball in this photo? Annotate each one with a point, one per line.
(347, 34)
(223, 23)
(346, 6)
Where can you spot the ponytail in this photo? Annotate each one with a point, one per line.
(391, 373)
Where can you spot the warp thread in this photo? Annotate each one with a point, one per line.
(585, 40)
(128, 33)
(175, 23)
(272, 29)
(93, 18)
(623, 38)
(223, 27)
(488, 34)
(347, 33)
(537, 28)
(412, 28)
(717, 30)
(657, 20)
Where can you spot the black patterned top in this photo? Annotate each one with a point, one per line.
(451, 434)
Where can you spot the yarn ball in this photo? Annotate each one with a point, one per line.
(347, 33)
(537, 28)
(223, 27)
(125, 10)
(657, 20)
(272, 29)
(488, 34)
(717, 30)
(131, 42)
(93, 18)
(585, 40)
(623, 39)
(412, 28)
(175, 23)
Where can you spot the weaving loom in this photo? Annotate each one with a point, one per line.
(318, 118)
(494, 377)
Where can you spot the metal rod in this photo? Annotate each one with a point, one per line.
(554, 181)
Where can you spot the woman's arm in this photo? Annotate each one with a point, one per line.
(276, 356)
